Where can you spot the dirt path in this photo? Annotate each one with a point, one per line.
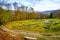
(19, 32)
(25, 33)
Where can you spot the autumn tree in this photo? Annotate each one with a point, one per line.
(57, 14)
(18, 15)
(34, 15)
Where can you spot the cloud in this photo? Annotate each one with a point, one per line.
(40, 5)
(47, 5)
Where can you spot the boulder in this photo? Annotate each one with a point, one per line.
(29, 38)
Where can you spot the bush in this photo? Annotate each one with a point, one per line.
(5, 16)
(55, 28)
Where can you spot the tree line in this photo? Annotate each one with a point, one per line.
(21, 13)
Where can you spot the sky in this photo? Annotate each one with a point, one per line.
(39, 5)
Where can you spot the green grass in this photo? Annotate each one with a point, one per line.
(35, 25)
(48, 38)
(26, 25)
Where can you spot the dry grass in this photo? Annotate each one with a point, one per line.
(6, 36)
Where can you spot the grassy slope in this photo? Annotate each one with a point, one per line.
(29, 25)
(35, 25)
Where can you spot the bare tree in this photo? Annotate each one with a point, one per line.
(8, 5)
(2, 2)
(15, 4)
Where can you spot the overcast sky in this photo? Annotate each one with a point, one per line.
(40, 5)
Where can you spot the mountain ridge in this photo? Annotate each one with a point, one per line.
(51, 11)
